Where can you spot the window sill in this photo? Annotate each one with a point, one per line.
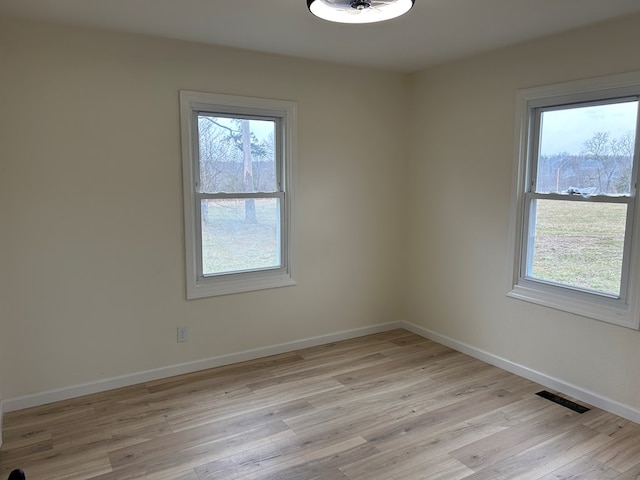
(212, 287)
(597, 309)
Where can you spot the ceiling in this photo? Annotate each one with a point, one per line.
(433, 32)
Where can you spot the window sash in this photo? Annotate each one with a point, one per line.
(535, 130)
(526, 259)
(279, 140)
(199, 195)
(531, 195)
(282, 268)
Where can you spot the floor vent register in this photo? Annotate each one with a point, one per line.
(563, 401)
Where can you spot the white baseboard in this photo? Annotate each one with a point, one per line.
(74, 391)
(567, 388)
(42, 398)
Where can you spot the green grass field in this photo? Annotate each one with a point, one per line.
(231, 244)
(580, 244)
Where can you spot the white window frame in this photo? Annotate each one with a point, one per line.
(624, 310)
(284, 113)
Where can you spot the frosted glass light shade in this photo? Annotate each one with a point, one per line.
(359, 11)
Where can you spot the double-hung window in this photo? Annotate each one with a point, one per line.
(574, 220)
(237, 162)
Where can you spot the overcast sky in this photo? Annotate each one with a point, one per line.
(567, 130)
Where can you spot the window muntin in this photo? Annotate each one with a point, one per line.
(573, 241)
(238, 187)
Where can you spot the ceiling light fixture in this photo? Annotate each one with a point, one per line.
(359, 11)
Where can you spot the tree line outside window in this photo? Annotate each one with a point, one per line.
(604, 166)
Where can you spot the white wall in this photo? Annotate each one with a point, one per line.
(92, 262)
(461, 163)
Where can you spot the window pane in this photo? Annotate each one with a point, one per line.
(240, 235)
(236, 155)
(579, 244)
(587, 150)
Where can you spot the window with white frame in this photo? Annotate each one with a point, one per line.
(574, 242)
(237, 163)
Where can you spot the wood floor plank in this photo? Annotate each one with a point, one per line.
(239, 415)
(382, 339)
(441, 468)
(332, 369)
(227, 432)
(440, 418)
(388, 406)
(631, 474)
(512, 441)
(622, 453)
(546, 457)
(418, 452)
(224, 373)
(391, 367)
(610, 424)
(584, 468)
(316, 464)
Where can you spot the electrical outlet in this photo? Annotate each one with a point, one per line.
(182, 334)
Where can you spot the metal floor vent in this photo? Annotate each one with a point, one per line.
(563, 401)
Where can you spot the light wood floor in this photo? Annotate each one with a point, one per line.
(382, 407)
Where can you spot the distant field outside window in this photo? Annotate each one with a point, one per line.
(579, 244)
(231, 244)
